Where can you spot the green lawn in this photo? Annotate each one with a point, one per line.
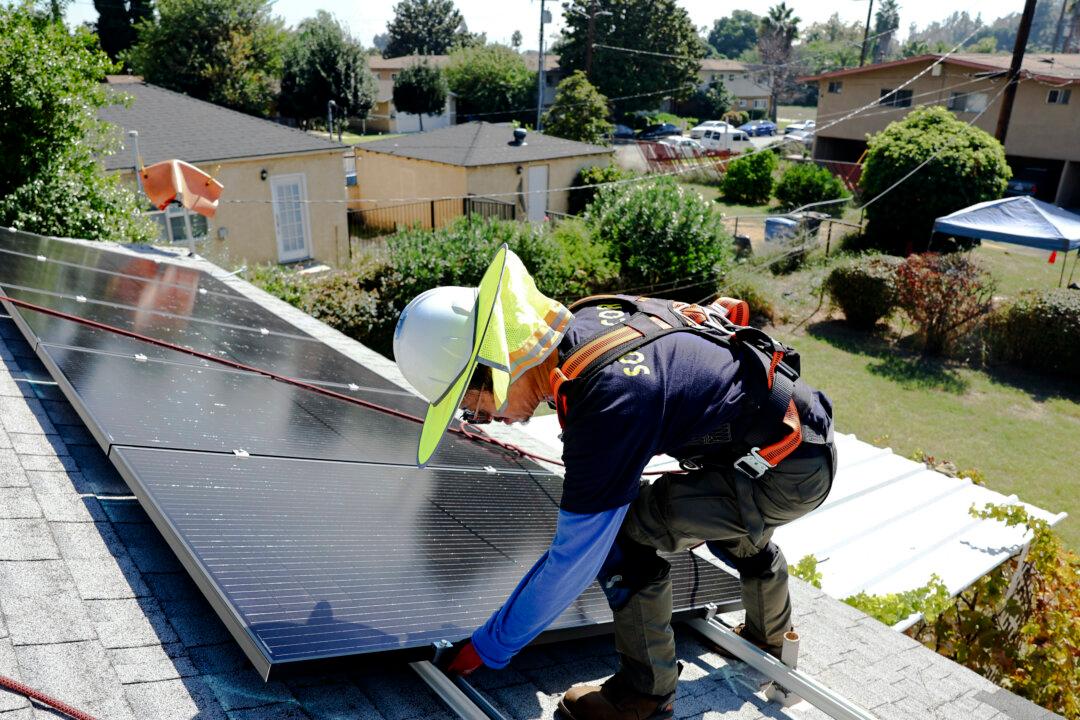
(1013, 426)
(350, 138)
(787, 114)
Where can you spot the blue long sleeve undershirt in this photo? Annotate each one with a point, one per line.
(582, 542)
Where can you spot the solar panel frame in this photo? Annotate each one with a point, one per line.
(52, 356)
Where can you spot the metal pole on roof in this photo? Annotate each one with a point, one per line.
(1014, 71)
(134, 135)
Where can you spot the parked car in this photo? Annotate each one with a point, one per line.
(688, 147)
(622, 132)
(800, 125)
(698, 131)
(1017, 188)
(759, 127)
(732, 140)
(806, 137)
(661, 130)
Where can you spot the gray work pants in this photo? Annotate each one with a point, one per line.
(680, 511)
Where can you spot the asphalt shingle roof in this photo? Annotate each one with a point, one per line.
(173, 125)
(96, 610)
(481, 143)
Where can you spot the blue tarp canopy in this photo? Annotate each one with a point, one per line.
(1017, 220)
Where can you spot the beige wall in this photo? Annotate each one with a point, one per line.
(491, 180)
(1036, 129)
(250, 237)
(382, 181)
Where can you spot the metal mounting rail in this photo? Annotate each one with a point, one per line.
(463, 699)
(806, 687)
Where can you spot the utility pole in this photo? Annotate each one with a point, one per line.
(540, 74)
(866, 34)
(1014, 71)
(591, 39)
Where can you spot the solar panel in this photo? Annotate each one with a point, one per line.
(301, 517)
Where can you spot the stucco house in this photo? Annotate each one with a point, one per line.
(398, 178)
(269, 171)
(748, 88)
(1043, 142)
(384, 117)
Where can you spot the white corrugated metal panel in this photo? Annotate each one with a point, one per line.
(888, 524)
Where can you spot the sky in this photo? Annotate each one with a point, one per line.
(500, 18)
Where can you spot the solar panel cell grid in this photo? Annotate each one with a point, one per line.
(325, 541)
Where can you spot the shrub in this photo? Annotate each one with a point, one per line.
(807, 183)
(278, 281)
(941, 294)
(762, 310)
(580, 196)
(749, 180)
(737, 117)
(1041, 331)
(585, 265)
(458, 253)
(341, 301)
(661, 234)
(864, 289)
(1019, 625)
(964, 165)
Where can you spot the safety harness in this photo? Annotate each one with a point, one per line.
(724, 322)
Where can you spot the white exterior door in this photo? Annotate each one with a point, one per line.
(537, 192)
(289, 193)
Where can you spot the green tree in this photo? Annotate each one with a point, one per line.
(807, 183)
(731, 36)
(779, 29)
(579, 111)
(420, 89)
(323, 63)
(228, 52)
(749, 180)
(886, 23)
(964, 166)
(649, 26)
(662, 233)
(493, 82)
(515, 40)
(115, 26)
(709, 103)
(425, 27)
(50, 137)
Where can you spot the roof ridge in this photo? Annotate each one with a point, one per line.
(480, 124)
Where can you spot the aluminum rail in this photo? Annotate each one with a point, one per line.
(806, 687)
(448, 692)
(462, 698)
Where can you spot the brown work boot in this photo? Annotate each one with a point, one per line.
(740, 630)
(615, 700)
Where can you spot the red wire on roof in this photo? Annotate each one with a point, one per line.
(59, 705)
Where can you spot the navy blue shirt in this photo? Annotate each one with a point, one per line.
(660, 399)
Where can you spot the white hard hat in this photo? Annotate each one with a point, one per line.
(433, 339)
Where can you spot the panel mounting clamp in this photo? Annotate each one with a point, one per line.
(241, 453)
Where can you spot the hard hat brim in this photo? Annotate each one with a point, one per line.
(441, 412)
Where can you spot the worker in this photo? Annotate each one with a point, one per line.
(661, 385)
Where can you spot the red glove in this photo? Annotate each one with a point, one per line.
(463, 660)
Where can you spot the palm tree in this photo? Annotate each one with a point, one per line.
(781, 23)
(779, 28)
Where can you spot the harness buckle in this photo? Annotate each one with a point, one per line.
(752, 464)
